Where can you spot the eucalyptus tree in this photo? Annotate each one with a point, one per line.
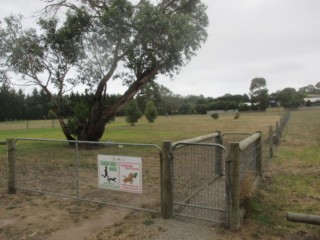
(259, 93)
(100, 41)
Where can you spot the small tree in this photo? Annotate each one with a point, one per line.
(151, 111)
(52, 115)
(133, 113)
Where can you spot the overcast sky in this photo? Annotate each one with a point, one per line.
(278, 40)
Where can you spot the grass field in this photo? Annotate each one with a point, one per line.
(164, 128)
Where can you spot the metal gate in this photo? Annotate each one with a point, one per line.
(200, 189)
(70, 169)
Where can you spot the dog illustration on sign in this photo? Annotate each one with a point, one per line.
(129, 178)
(107, 176)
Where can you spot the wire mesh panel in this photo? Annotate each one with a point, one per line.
(248, 158)
(199, 192)
(70, 169)
(46, 166)
(248, 171)
(3, 166)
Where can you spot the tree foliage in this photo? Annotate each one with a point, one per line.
(290, 98)
(100, 41)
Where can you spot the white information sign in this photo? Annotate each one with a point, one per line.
(121, 173)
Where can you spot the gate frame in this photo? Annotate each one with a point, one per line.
(167, 173)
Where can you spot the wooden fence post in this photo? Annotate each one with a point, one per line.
(218, 157)
(259, 167)
(166, 180)
(234, 179)
(271, 141)
(277, 133)
(11, 166)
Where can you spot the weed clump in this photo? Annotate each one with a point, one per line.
(247, 188)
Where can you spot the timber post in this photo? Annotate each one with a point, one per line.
(166, 180)
(218, 157)
(11, 166)
(234, 179)
(259, 167)
(271, 141)
(303, 218)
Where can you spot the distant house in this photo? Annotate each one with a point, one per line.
(312, 98)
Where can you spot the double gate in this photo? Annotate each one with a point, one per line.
(200, 183)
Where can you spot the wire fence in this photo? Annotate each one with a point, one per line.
(30, 124)
(205, 181)
(71, 169)
(3, 166)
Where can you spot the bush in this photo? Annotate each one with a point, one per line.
(215, 115)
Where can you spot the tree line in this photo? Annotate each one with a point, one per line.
(75, 106)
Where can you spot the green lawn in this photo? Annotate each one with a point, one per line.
(164, 128)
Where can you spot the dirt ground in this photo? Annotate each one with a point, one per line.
(43, 217)
(33, 216)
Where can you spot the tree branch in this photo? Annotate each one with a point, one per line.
(130, 93)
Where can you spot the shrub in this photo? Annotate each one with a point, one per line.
(215, 115)
(237, 115)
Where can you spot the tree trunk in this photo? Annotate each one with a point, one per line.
(63, 125)
(94, 128)
(65, 130)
